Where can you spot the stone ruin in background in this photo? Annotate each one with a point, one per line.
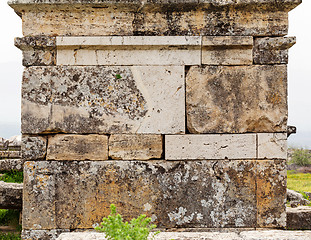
(175, 109)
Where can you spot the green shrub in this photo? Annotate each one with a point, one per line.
(12, 176)
(9, 217)
(115, 229)
(301, 157)
(10, 236)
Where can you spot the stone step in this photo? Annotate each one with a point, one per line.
(11, 195)
(244, 235)
(299, 218)
(11, 164)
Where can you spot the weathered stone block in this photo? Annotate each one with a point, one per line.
(129, 50)
(42, 234)
(271, 194)
(33, 147)
(299, 218)
(169, 18)
(135, 146)
(77, 147)
(75, 195)
(11, 164)
(272, 50)
(103, 99)
(37, 50)
(211, 146)
(11, 195)
(236, 99)
(221, 50)
(272, 145)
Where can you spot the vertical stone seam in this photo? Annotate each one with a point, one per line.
(256, 193)
(163, 147)
(46, 147)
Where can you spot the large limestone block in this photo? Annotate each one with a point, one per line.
(103, 99)
(299, 218)
(135, 146)
(274, 50)
(42, 234)
(77, 147)
(210, 146)
(11, 164)
(76, 195)
(170, 18)
(271, 193)
(33, 147)
(272, 145)
(236, 99)
(225, 50)
(129, 50)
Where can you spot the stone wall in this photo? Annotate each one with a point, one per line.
(175, 109)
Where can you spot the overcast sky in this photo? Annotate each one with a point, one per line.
(299, 72)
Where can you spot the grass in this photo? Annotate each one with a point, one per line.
(12, 176)
(300, 182)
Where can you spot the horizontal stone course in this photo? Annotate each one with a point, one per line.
(77, 147)
(210, 146)
(272, 145)
(236, 99)
(135, 146)
(103, 100)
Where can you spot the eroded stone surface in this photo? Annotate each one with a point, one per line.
(244, 235)
(299, 218)
(170, 19)
(236, 99)
(271, 193)
(210, 146)
(221, 50)
(33, 147)
(272, 145)
(272, 50)
(135, 146)
(37, 50)
(77, 147)
(72, 195)
(42, 234)
(11, 164)
(11, 195)
(103, 99)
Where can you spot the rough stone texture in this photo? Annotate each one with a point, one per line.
(11, 195)
(299, 218)
(271, 194)
(77, 147)
(42, 234)
(236, 99)
(129, 50)
(157, 18)
(296, 198)
(103, 99)
(37, 50)
(33, 147)
(11, 164)
(244, 235)
(233, 50)
(135, 147)
(73, 195)
(10, 154)
(272, 145)
(211, 146)
(272, 50)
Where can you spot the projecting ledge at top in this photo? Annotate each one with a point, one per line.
(285, 5)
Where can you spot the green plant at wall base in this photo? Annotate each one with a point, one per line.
(10, 236)
(118, 76)
(12, 176)
(115, 229)
(301, 157)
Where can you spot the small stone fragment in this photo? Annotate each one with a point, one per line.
(299, 218)
(77, 147)
(135, 146)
